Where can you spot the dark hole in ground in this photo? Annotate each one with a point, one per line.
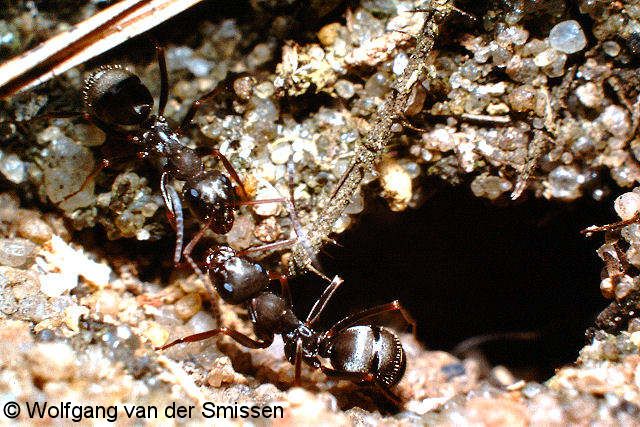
(465, 267)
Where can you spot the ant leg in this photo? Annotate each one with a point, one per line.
(259, 202)
(371, 312)
(164, 78)
(267, 247)
(362, 378)
(187, 255)
(235, 335)
(297, 364)
(204, 277)
(322, 302)
(174, 206)
(613, 226)
(198, 103)
(65, 115)
(104, 164)
(225, 85)
(58, 115)
(234, 175)
(22, 125)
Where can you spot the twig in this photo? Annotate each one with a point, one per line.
(534, 152)
(95, 35)
(372, 147)
(541, 138)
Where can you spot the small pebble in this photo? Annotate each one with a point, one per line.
(240, 236)
(616, 120)
(589, 94)
(34, 228)
(489, 186)
(624, 287)
(243, 87)
(627, 205)
(55, 284)
(329, 34)
(523, 98)
(345, 89)
(267, 192)
(611, 48)
(107, 302)
(188, 305)
(400, 62)
(634, 325)
(268, 230)
(396, 185)
(52, 361)
(72, 316)
(280, 152)
(264, 90)
(565, 183)
(607, 288)
(13, 169)
(503, 376)
(156, 334)
(568, 37)
(16, 252)
(221, 372)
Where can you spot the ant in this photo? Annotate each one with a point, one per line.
(117, 101)
(367, 354)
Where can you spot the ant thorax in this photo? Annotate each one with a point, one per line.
(309, 339)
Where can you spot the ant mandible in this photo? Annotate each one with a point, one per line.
(362, 353)
(119, 103)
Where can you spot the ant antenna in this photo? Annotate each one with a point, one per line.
(611, 227)
(473, 343)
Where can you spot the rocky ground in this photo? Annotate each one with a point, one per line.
(528, 99)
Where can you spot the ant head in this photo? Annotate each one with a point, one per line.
(117, 98)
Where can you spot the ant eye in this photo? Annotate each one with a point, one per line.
(117, 97)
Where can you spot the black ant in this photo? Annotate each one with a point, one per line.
(119, 103)
(367, 354)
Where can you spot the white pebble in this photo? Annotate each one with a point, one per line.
(589, 95)
(280, 152)
(400, 62)
(267, 191)
(568, 37)
(627, 205)
(616, 120)
(611, 48)
(55, 284)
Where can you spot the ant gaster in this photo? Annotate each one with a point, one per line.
(119, 103)
(359, 352)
